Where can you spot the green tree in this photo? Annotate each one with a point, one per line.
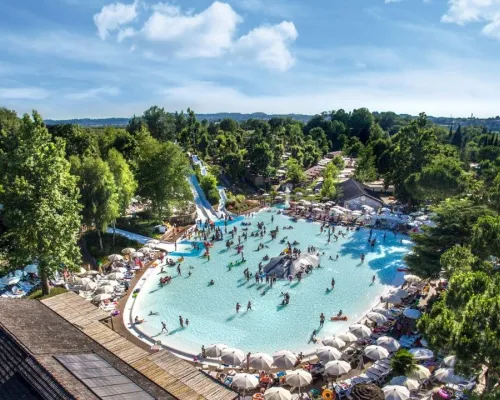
(40, 199)
(99, 194)
(360, 124)
(294, 173)
(330, 174)
(403, 363)
(234, 164)
(260, 157)
(486, 237)
(453, 222)
(208, 184)
(365, 166)
(125, 183)
(161, 174)
(161, 124)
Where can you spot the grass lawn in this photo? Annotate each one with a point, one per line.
(37, 294)
(121, 242)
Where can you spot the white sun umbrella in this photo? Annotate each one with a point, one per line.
(153, 241)
(92, 272)
(298, 378)
(421, 353)
(245, 381)
(447, 375)
(450, 361)
(31, 269)
(299, 193)
(128, 250)
(360, 330)
(348, 337)
(337, 367)
(412, 313)
(316, 209)
(137, 254)
(327, 353)
(420, 373)
(277, 393)
(101, 297)
(410, 384)
(145, 250)
(120, 269)
(393, 299)
(384, 311)
(333, 341)
(148, 245)
(89, 286)
(115, 276)
(376, 317)
(388, 343)
(111, 283)
(82, 281)
(115, 257)
(104, 289)
(375, 352)
(284, 359)
(215, 350)
(396, 392)
(232, 356)
(10, 280)
(261, 361)
(401, 293)
(412, 278)
(300, 207)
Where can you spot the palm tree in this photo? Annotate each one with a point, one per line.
(403, 362)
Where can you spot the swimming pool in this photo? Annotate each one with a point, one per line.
(269, 326)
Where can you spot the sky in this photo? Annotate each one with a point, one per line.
(97, 58)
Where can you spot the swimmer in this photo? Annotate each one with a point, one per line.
(238, 307)
(189, 273)
(249, 305)
(339, 313)
(373, 279)
(138, 321)
(181, 321)
(187, 322)
(211, 282)
(153, 313)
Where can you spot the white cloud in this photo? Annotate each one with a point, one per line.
(125, 33)
(95, 92)
(207, 34)
(269, 44)
(167, 9)
(113, 16)
(392, 1)
(462, 12)
(23, 93)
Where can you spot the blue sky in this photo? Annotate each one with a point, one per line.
(97, 58)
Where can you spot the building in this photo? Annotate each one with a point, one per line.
(60, 349)
(354, 194)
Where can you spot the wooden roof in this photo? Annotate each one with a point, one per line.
(178, 377)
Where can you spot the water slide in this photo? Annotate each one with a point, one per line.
(223, 199)
(203, 207)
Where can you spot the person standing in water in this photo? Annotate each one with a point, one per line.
(373, 279)
(238, 307)
(333, 283)
(321, 320)
(164, 327)
(249, 305)
(181, 321)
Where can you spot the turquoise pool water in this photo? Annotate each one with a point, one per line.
(269, 326)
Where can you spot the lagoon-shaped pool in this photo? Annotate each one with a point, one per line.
(269, 326)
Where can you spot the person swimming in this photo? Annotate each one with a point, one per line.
(211, 283)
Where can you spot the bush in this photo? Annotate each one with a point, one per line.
(37, 294)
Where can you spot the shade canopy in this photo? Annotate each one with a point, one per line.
(31, 269)
(412, 313)
(115, 257)
(261, 361)
(447, 375)
(128, 250)
(400, 293)
(376, 317)
(137, 254)
(82, 281)
(450, 361)
(410, 384)
(232, 356)
(333, 341)
(361, 331)
(10, 280)
(101, 297)
(277, 393)
(396, 392)
(89, 286)
(392, 298)
(337, 367)
(388, 343)
(420, 373)
(284, 359)
(215, 350)
(421, 353)
(412, 278)
(327, 353)
(299, 378)
(245, 381)
(348, 337)
(375, 352)
(115, 276)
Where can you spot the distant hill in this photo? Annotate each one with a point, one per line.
(492, 124)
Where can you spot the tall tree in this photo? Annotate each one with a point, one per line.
(126, 185)
(161, 174)
(365, 166)
(40, 198)
(160, 123)
(294, 172)
(99, 194)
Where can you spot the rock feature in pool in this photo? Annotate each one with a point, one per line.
(285, 266)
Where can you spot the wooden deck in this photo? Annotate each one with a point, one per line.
(176, 376)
